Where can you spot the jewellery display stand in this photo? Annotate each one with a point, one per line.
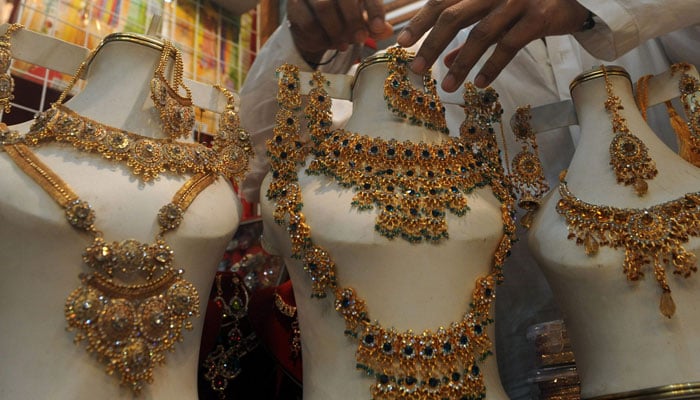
(40, 254)
(620, 339)
(417, 286)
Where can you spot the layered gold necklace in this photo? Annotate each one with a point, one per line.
(440, 364)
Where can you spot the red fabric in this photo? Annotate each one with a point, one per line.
(273, 328)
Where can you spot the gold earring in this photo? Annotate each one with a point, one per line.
(232, 141)
(176, 111)
(419, 107)
(687, 133)
(629, 156)
(7, 84)
(527, 176)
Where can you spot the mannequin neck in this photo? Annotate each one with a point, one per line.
(118, 79)
(371, 115)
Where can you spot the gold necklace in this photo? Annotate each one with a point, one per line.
(146, 157)
(650, 236)
(431, 365)
(133, 304)
(410, 184)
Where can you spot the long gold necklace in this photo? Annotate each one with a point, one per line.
(441, 364)
(650, 236)
(133, 303)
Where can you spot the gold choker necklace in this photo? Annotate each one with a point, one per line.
(650, 236)
(133, 304)
(430, 365)
(410, 184)
(146, 157)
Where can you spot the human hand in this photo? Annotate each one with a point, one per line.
(510, 24)
(320, 25)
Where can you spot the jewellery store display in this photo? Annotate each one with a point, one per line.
(410, 184)
(422, 108)
(133, 303)
(527, 174)
(629, 156)
(650, 236)
(176, 112)
(439, 364)
(7, 83)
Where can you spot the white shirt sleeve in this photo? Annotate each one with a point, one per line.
(622, 25)
(258, 97)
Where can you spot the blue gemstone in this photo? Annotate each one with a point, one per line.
(389, 171)
(290, 121)
(464, 340)
(345, 142)
(431, 174)
(436, 213)
(447, 347)
(408, 152)
(390, 208)
(374, 149)
(278, 138)
(358, 147)
(368, 168)
(321, 98)
(441, 153)
(454, 189)
(475, 370)
(425, 154)
(410, 172)
(487, 292)
(283, 154)
(336, 152)
(383, 379)
(369, 339)
(404, 93)
(390, 188)
(345, 302)
(411, 380)
(478, 329)
(313, 266)
(391, 152)
(456, 376)
(408, 350)
(433, 382)
(428, 351)
(432, 105)
(367, 186)
(387, 348)
(419, 100)
(414, 211)
(291, 86)
(395, 83)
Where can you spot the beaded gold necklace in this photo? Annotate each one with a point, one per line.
(431, 365)
(133, 304)
(410, 184)
(650, 236)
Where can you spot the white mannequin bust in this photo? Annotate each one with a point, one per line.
(40, 253)
(621, 341)
(405, 286)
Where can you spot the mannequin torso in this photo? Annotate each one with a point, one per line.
(405, 286)
(40, 254)
(620, 339)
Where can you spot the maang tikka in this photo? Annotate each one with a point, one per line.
(527, 174)
(405, 101)
(176, 111)
(7, 84)
(629, 156)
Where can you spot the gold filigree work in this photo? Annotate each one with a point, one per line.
(146, 157)
(7, 83)
(629, 156)
(134, 303)
(653, 236)
(440, 364)
(422, 108)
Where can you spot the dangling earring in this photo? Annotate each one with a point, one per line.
(687, 133)
(629, 156)
(231, 141)
(176, 112)
(527, 174)
(419, 107)
(7, 84)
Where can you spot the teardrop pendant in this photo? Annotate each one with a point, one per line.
(667, 305)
